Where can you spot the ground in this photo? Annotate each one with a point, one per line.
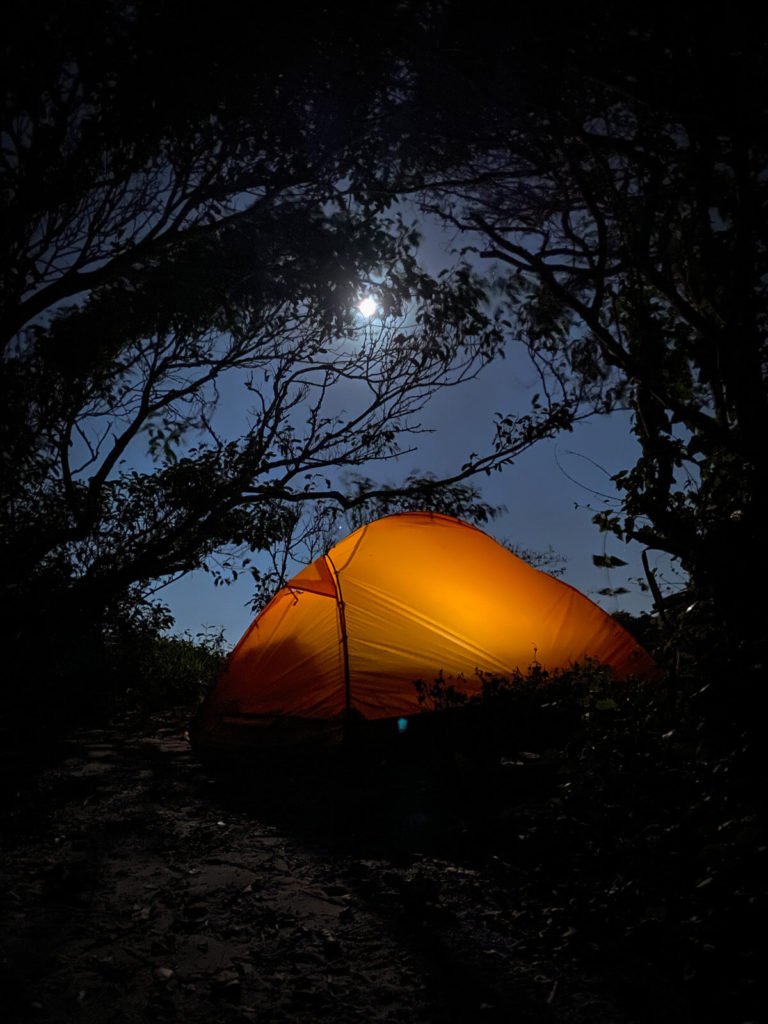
(140, 884)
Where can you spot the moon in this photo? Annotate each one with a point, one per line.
(367, 306)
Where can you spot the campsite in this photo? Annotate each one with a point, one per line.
(321, 836)
(383, 513)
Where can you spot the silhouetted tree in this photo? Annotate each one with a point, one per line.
(617, 177)
(189, 214)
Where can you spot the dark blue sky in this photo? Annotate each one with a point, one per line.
(550, 493)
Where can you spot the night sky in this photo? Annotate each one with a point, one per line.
(549, 494)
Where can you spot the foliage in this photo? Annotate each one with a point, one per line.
(183, 368)
(628, 821)
(579, 683)
(172, 245)
(617, 187)
(127, 661)
(549, 561)
(167, 671)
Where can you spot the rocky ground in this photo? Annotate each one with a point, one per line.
(139, 884)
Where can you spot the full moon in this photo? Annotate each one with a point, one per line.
(367, 306)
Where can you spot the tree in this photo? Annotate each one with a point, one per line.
(170, 246)
(617, 180)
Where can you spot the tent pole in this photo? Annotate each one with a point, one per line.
(344, 644)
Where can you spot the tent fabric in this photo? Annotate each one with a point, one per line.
(405, 598)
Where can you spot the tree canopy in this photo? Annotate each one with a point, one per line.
(617, 186)
(190, 214)
(191, 208)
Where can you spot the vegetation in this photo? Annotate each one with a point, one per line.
(627, 820)
(152, 673)
(189, 210)
(617, 189)
(183, 365)
(170, 247)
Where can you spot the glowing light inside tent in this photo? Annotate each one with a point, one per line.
(402, 724)
(367, 306)
(422, 592)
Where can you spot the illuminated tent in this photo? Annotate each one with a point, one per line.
(407, 597)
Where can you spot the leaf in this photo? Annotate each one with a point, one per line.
(607, 561)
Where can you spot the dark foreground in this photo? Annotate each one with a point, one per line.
(138, 884)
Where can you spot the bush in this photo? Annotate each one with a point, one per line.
(633, 812)
(81, 672)
(157, 672)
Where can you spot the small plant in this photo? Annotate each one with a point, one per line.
(585, 682)
(441, 694)
(170, 670)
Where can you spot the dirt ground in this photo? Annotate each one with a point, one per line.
(138, 884)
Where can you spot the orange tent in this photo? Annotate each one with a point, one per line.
(404, 598)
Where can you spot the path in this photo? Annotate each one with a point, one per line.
(136, 889)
